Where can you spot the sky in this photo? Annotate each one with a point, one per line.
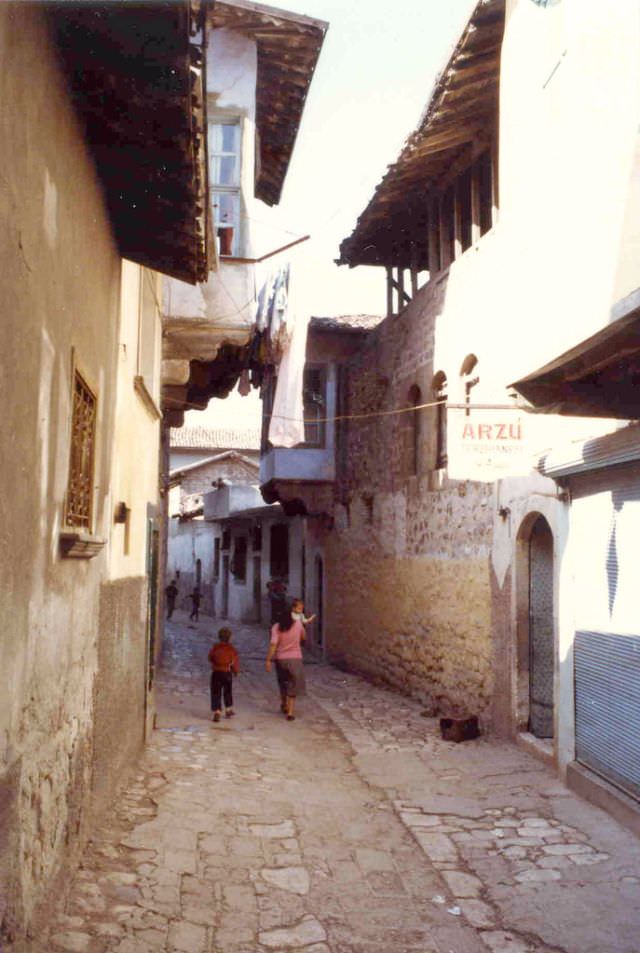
(375, 73)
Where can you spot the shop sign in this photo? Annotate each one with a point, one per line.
(488, 444)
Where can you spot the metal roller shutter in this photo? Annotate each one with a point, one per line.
(607, 681)
(605, 531)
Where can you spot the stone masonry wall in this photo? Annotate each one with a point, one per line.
(197, 482)
(407, 561)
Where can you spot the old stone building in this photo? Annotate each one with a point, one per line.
(502, 226)
(261, 61)
(201, 459)
(80, 387)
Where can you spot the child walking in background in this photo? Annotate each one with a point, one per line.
(225, 663)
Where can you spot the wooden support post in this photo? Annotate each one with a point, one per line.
(414, 269)
(495, 195)
(434, 239)
(457, 221)
(445, 257)
(389, 290)
(475, 204)
(401, 292)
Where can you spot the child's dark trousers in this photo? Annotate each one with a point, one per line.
(221, 685)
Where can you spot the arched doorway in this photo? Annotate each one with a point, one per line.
(541, 648)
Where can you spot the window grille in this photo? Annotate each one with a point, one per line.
(79, 502)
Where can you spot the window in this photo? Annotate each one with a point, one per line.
(439, 388)
(279, 563)
(216, 558)
(256, 538)
(224, 146)
(469, 364)
(412, 431)
(239, 564)
(314, 394)
(79, 499)
(226, 539)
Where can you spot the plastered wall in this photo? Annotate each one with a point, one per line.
(60, 301)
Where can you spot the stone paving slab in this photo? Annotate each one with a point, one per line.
(346, 831)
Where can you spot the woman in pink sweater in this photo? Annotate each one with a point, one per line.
(287, 636)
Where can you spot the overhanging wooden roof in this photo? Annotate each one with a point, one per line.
(600, 377)
(137, 76)
(461, 109)
(288, 49)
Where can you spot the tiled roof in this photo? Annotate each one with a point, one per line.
(346, 322)
(210, 438)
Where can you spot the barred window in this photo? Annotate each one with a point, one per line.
(79, 501)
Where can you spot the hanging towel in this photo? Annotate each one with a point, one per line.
(286, 428)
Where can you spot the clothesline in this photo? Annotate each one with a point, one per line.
(405, 410)
(381, 413)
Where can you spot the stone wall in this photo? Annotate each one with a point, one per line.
(408, 559)
(201, 480)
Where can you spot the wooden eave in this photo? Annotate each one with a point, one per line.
(288, 49)
(600, 377)
(136, 73)
(462, 109)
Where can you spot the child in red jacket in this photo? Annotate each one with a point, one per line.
(224, 665)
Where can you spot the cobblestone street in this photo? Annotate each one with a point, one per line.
(354, 829)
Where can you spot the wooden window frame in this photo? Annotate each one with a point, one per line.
(234, 189)
(321, 442)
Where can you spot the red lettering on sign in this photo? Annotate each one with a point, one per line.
(468, 432)
(484, 430)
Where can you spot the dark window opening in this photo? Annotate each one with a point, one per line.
(469, 364)
(256, 539)
(279, 558)
(239, 564)
(412, 431)
(216, 558)
(226, 539)
(314, 393)
(439, 388)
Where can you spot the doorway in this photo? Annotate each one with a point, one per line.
(541, 640)
(257, 588)
(319, 599)
(225, 586)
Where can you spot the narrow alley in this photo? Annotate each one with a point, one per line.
(354, 829)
